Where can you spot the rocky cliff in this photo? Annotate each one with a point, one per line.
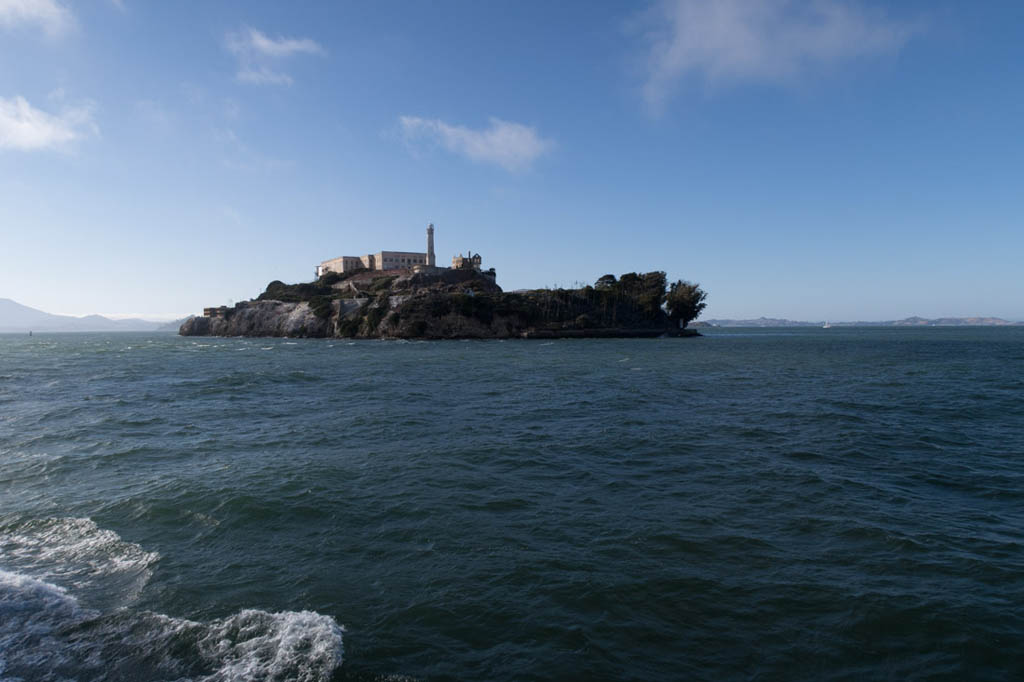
(443, 304)
(260, 318)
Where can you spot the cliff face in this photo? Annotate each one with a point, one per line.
(443, 304)
(260, 318)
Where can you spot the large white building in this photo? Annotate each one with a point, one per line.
(402, 260)
(382, 260)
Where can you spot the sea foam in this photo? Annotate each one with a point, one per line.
(77, 554)
(47, 633)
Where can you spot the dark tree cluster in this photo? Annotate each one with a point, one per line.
(295, 293)
(632, 301)
(685, 301)
(634, 297)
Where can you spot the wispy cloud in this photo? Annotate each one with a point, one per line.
(237, 155)
(281, 47)
(258, 55)
(513, 146)
(25, 128)
(52, 16)
(263, 75)
(766, 40)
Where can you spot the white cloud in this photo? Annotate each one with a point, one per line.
(50, 15)
(513, 146)
(255, 51)
(263, 76)
(768, 40)
(282, 47)
(23, 127)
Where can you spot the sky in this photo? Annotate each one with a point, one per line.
(828, 159)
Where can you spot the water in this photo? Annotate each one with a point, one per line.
(798, 504)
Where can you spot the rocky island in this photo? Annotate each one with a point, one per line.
(405, 295)
(455, 304)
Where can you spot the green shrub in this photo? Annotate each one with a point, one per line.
(349, 326)
(293, 293)
(374, 317)
(321, 306)
(330, 277)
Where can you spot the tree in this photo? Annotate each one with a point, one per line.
(652, 292)
(685, 301)
(629, 283)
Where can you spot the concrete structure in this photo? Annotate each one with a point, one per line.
(382, 260)
(400, 260)
(472, 261)
(431, 261)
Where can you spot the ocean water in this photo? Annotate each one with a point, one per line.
(840, 504)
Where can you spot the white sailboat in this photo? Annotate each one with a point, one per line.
(826, 325)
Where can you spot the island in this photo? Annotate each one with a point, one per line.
(405, 295)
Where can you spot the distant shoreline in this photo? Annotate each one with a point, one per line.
(906, 322)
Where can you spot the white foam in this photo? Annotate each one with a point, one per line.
(256, 645)
(45, 634)
(30, 612)
(65, 592)
(76, 553)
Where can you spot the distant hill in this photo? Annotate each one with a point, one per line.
(759, 322)
(952, 322)
(173, 325)
(906, 322)
(18, 318)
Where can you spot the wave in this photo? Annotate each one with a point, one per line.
(77, 554)
(45, 634)
(48, 631)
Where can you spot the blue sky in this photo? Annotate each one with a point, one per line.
(813, 160)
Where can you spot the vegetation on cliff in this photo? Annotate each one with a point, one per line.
(459, 304)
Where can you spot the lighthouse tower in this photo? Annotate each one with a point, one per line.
(430, 245)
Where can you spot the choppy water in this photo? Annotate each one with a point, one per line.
(801, 504)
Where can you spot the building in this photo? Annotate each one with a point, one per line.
(382, 260)
(472, 261)
(402, 260)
